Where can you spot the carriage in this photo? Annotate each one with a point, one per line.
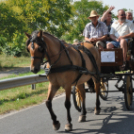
(111, 62)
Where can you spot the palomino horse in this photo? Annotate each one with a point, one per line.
(64, 65)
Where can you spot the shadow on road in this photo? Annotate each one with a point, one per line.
(112, 120)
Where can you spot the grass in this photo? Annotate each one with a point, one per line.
(11, 61)
(22, 97)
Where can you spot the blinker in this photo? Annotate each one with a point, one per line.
(32, 45)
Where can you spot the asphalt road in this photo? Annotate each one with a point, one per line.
(113, 119)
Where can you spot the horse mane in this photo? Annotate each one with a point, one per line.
(50, 35)
(34, 35)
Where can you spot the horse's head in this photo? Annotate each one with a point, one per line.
(37, 48)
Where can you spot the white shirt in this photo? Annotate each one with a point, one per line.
(125, 28)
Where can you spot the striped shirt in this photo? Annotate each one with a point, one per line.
(95, 32)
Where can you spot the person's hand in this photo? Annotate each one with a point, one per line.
(111, 8)
(119, 38)
(91, 39)
(95, 39)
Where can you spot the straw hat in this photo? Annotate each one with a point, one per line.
(93, 14)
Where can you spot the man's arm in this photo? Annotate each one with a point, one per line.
(104, 16)
(89, 39)
(113, 37)
(127, 36)
(101, 38)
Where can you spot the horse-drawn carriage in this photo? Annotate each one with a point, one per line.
(68, 66)
(111, 62)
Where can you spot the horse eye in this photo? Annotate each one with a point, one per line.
(40, 49)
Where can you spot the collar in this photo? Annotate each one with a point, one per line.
(97, 24)
(117, 22)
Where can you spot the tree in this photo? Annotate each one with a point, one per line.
(49, 15)
(9, 23)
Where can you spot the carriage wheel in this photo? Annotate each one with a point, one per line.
(77, 98)
(128, 92)
(103, 90)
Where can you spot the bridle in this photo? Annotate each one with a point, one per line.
(43, 45)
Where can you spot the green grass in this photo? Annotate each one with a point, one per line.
(22, 97)
(11, 61)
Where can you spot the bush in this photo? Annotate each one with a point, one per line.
(17, 47)
(2, 43)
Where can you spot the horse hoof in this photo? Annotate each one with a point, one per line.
(82, 118)
(68, 127)
(56, 126)
(97, 112)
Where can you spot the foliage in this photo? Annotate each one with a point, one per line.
(17, 47)
(9, 22)
(2, 43)
(49, 15)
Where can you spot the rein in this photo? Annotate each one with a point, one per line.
(62, 48)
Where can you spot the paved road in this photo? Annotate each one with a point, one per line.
(113, 119)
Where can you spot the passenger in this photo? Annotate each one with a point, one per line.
(121, 30)
(129, 15)
(107, 19)
(96, 31)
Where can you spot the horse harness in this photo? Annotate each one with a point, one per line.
(82, 70)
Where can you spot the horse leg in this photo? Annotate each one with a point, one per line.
(51, 92)
(82, 117)
(97, 89)
(68, 126)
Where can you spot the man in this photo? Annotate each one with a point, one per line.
(121, 30)
(129, 15)
(95, 31)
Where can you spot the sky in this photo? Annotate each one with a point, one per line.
(118, 4)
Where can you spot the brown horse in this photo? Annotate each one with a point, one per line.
(60, 56)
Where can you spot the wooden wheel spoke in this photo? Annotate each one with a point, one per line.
(128, 94)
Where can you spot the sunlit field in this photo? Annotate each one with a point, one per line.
(7, 62)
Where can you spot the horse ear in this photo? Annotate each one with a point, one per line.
(40, 33)
(28, 35)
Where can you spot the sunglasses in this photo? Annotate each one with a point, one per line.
(122, 15)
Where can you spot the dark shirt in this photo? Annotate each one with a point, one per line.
(109, 26)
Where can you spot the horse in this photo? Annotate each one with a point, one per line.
(64, 64)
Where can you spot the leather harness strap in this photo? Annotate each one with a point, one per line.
(83, 65)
